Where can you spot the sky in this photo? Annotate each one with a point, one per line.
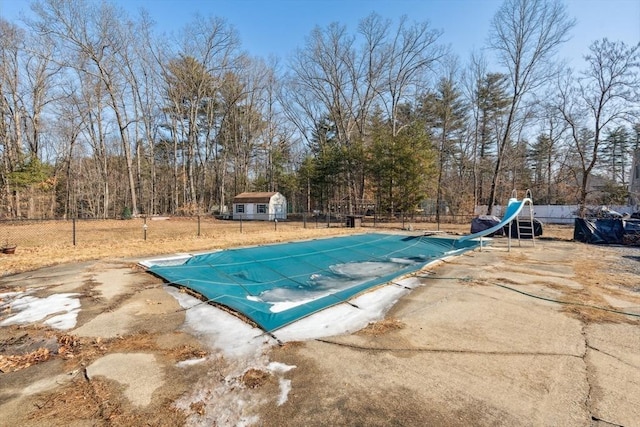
(278, 27)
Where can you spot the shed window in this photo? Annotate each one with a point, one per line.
(239, 208)
(261, 209)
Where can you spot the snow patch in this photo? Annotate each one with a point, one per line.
(279, 368)
(285, 384)
(63, 308)
(190, 362)
(286, 305)
(63, 321)
(219, 329)
(285, 388)
(178, 259)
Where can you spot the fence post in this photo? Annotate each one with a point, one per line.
(144, 228)
(198, 225)
(241, 223)
(304, 219)
(73, 233)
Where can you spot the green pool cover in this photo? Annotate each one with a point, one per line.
(275, 285)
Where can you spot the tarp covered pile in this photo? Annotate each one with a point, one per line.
(611, 231)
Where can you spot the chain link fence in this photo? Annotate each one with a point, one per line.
(34, 233)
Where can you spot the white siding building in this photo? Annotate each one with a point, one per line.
(260, 206)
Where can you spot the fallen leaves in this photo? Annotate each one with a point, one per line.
(254, 378)
(382, 327)
(12, 363)
(66, 345)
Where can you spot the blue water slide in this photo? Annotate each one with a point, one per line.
(513, 209)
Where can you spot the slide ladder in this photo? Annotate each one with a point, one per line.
(519, 214)
(514, 207)
(524, 220)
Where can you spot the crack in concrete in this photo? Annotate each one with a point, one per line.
(587, 370)
(613, 357)
(600, 420)
(448, 350)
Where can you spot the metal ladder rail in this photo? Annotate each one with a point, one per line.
(515, 222)
(524, 221)
(525, 225)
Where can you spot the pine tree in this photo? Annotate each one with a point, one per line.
(444, 112)
(401, 166)
(615, 150)
(492, 102)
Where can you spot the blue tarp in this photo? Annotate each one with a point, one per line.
(274, 285)
(607, 231)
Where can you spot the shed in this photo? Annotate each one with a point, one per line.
(262, 206)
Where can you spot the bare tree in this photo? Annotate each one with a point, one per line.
(546, 151)
(413, 51)
(146, 85)
(275, 141)
(324, 69)
(90, 105)
(68, 133)
(100, 38)
(11, 111)
(525, 35)
(40, 75)
(605, 94)
(334, 78)
(445, 113)
(487, 100)
(207, 52)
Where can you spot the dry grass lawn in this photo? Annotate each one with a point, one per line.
(47, 243)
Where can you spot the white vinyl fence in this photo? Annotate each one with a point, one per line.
(554, 214)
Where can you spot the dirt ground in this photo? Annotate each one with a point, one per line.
(532, 336)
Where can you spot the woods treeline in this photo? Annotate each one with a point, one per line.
(102, 114)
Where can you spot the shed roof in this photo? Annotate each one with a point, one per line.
(257, 197)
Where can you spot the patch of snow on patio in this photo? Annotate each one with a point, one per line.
(285, 384)
(279, 368)
(285, 388)
(219, 329)
(64, 307)
(64, 321)
(190, 362)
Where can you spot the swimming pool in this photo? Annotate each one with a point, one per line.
(275, 285)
